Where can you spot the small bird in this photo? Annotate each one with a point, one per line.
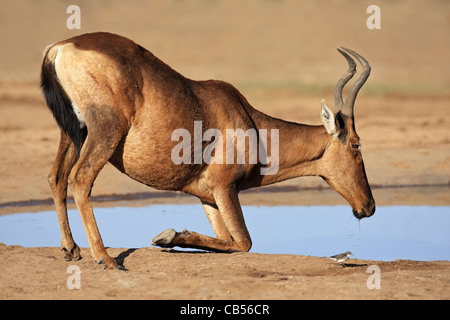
(341, 257)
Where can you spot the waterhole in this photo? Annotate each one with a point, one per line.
(394, 232)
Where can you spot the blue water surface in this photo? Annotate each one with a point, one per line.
(395, 232)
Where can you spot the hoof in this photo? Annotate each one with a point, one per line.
(108, 263)
(73, 254)
(164, 239)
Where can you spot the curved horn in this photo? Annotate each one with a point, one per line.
(350, 101)
(338, 102)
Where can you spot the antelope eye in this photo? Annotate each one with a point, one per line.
(355, 146)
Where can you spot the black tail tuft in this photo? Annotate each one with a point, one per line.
(60, 104)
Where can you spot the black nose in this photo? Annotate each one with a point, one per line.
(367, 211)
(359, 214)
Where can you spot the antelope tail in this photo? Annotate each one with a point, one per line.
(59, 103)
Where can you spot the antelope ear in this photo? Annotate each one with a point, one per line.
(328, 120)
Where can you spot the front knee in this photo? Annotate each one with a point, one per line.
(245, 245)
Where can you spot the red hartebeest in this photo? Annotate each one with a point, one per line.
(115, 101)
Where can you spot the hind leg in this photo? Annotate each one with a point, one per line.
(57, 179)
(105, 131)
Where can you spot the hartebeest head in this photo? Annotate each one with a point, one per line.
(342, 161)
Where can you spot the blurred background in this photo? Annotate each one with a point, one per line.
(249, 42)
(281, 54)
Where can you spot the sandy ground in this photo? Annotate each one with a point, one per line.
(161, 274)
(402, 116)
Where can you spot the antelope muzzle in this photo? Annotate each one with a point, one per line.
(367, 211)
